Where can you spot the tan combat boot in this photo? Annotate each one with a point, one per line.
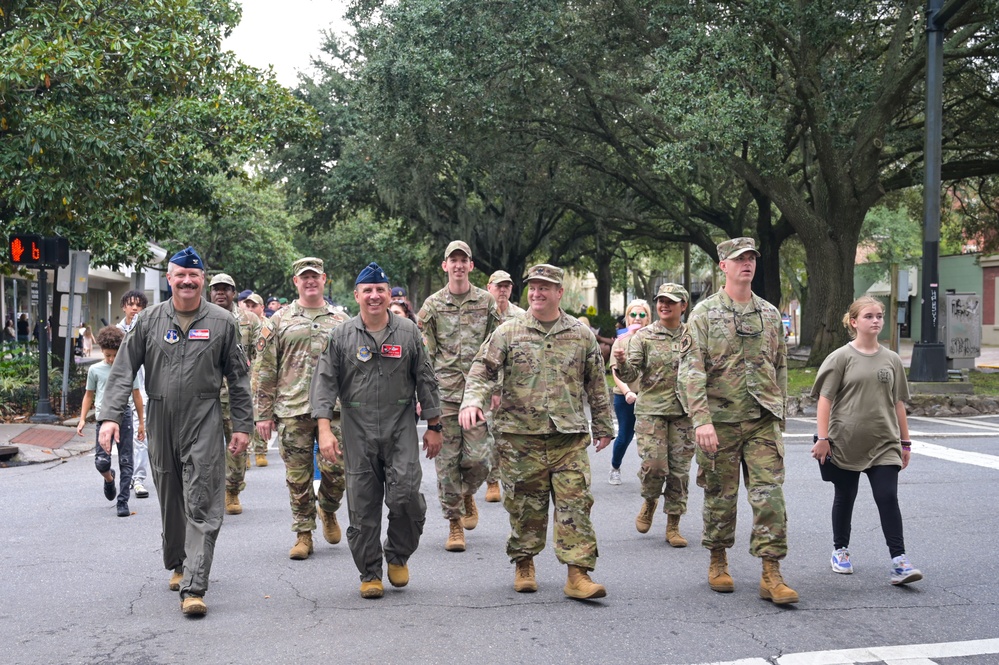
(372, 589)
(398, 574)
(471, 518)
(673, 536)
(493, 493)
(175, 579)
(523, 578)
(302, 547)
(331, 530)
(580, 586)
(232, 505)
(261, 459)
(193, 606)
(644, 520)
(455, 537)
(718, 577)
(772, 585)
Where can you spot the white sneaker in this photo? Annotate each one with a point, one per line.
(140, 491)
(902, 571)
(841, 561)
(615, 477)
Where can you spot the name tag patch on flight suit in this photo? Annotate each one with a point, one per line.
(199, 334)
(171, 337)
(391, 351)
(363, 354)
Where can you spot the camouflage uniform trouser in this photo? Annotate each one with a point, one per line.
(235, 465)
(534, 468)
(494, 471)
(758, 448)
(666, 445)
(463, 462)
(297, 437)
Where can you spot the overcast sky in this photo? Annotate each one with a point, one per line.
(284, 33)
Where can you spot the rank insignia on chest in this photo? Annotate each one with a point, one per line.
(171, 337)
(202, 334)
(391, 351)
(363, 354)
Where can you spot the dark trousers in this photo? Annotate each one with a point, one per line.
(102, 460)
(625, 414)
(884, 486)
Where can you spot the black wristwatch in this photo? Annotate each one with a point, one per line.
(816, 438)
(439, 427)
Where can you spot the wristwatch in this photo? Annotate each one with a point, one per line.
(816, 438)
(436, 428)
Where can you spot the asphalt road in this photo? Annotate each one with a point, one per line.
(81, 585)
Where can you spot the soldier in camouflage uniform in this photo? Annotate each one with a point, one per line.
(223, 291)
(545, 365)
(665, 435)
(500, 286)
(455, 321)
(736, 384)
(287, 352)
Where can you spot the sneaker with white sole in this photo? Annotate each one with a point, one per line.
(902, 571)
(140, 491)
(841, 561)
(615, 477)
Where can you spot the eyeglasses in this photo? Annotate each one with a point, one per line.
(637, 315)
(743, 328)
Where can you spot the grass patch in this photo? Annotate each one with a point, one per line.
(985, 383)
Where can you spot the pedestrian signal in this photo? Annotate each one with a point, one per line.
(25, 250)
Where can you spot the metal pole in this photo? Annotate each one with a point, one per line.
(43, 410)
(70, 333)
(929, 358)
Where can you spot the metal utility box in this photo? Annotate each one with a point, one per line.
(961, 329)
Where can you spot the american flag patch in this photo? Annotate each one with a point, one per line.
(199, 334)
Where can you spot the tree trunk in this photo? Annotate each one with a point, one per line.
(830, 292)
(604, 282)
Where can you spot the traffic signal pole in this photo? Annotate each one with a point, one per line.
(43, 409)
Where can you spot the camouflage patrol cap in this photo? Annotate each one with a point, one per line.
(499, 277)
(255, 298)
(674, 292)
(736, 246)
(546, 273)
(305, 264)
(222, 278)
(457, 246)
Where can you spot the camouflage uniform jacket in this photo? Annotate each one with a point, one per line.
(454, 333)
(511, 311)
(654, 358)
(249, 330)
(728, 377)
(287, 352)
(546, 378)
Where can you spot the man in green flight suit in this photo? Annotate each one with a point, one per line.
(374, 363)
(187, 346)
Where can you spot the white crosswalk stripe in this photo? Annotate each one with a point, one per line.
(906, 654)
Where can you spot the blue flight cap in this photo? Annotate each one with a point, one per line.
(188, 258)
(372, 274)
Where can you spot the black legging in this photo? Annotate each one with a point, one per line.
(884, 486)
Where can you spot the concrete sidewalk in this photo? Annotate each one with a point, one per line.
(46, 443)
